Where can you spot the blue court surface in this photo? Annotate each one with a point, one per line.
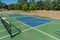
(33, 21)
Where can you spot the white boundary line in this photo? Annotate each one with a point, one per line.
(36, 26)
(37, 30)
(13, 19)
(46, 34)
(30, 26)
(45, 23)
(15, 33)
(40, 30)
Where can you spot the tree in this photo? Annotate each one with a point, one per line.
(58, 5)
(32, 5)
(19, 5)
(54, 4)
(23, 1)
(40, 5)
(58, 1)
(19, 1)
(11, 7)
(1, 4)
(47, 5)
(25, 6)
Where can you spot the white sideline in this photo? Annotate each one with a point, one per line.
(46, 34)
(35, 29)
(30, 26)
(14, 33)
(40, 30)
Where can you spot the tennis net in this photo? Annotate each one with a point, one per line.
(11, 29)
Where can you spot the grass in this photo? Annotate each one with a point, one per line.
(44, 32)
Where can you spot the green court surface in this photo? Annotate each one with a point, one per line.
(42, 32)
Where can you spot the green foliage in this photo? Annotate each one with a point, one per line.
(25, 6)
(40, 5)
(32, 5)
(1, 5)
(54, 4)
(11, 7)
(18, 6)
(19, 2)
(23, 1)
(58, 7)
(47, 5)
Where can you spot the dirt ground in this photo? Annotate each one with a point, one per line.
(44, 13)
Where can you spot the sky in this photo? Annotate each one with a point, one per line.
(11, 1)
